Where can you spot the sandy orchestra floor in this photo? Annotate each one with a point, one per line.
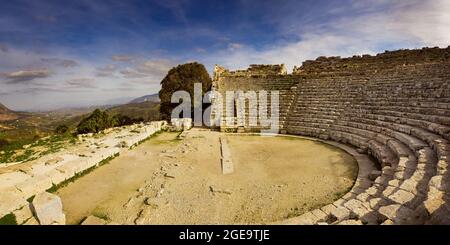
(167, 180)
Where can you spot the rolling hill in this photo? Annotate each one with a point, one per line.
(149, 98)
(6, 114)
(148, 110)
(21, 128)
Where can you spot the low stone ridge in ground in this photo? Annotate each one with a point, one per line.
(20, 183)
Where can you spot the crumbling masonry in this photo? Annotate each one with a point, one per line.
(394, 106)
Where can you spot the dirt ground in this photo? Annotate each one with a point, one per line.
(170, 181)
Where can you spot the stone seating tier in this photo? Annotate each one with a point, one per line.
(394, 107)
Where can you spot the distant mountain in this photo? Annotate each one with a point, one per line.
(6, 114)
(4, 109)
(146, 98)
(149, 111)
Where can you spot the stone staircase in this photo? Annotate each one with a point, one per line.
(401, 117)
(393, 107)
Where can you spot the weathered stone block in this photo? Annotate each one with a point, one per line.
(439, 183)
(11, 179)
(374, 174)
(340, 213)
(402, 197)
(35, 185)
(397, 213)
(32, 221)
(48, 209)
(350, 222)
(11, 199)
(23, 214)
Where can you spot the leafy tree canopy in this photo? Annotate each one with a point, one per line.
(182, 77)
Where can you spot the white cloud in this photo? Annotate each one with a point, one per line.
(106, 71)
(60, 62)
(26, 75)
(122, 58)
(81, 83)
(235, 46)
(132, 73)
(155, 67)
(152, 69)
(3, 48)
(363, 27)
(374, 26)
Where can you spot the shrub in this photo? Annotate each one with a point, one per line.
(101, 120)
(96, 122)
(61, 129)
(3, 143)
(122, 120)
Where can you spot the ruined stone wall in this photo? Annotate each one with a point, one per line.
(367, 64)
(344, 77)
(253, 70)
(257, 78)
(394, 107)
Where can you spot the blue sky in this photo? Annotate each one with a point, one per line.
(57, 54)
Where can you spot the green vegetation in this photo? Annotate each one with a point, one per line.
(20, 151)
(294, 212)
(182, 77)
(6, 156)
(55, 188)
(9, 219)
(3, 143)
(33, 135)
(30, 199)
(100, 120)
(53, 144)
(25, 156)
(148, 138)
(29, 127)
(61, 129)
(8, 144)
(126, 120)
(145, 111)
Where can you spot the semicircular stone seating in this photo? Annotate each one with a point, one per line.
(393, 107)
(401, 117)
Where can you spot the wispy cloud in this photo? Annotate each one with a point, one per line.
(154, 69)
(60, 62)
(372, 26)
(106, 71)
(122, 58)
(3, 48)
(26, 75)
(81, 83)
(235, 46)
(102, 50)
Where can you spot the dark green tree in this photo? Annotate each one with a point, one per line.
(96, 122)
(3, 143)
(122, 120)
(179, 78)
(61, 129)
